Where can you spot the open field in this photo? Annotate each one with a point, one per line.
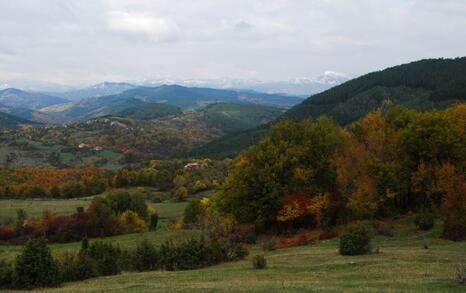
(168, 211)
(402, 265)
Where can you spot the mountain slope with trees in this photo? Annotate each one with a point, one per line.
(421, 85)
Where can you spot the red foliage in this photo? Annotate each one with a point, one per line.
(7, 232)
(454, 213)
(295, 240)
(328, 234)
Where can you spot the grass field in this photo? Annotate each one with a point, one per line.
(402, 265)
(168, 211)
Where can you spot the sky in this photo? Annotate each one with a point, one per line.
(89, 41)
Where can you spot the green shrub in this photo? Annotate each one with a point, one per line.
(35, 266)
(356, 240)
(154, 220)
(424, 220)
(259, 262)
(6, 275)
(250, 237)
(106, 257)
(145, 257)
(77, 267)
(198, 252)
(193, 212)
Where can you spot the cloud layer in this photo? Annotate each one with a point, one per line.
(81, 42)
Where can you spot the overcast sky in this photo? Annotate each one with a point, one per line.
(88, 41)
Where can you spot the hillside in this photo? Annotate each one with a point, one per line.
(15, 98)
(174, 95)
(144, 132)
(98, 90)
(11, 121)
(148, 111)
(237, 117)
(422, 85)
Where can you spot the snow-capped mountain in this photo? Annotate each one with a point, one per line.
(295, 87)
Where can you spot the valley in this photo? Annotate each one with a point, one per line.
(134, 188)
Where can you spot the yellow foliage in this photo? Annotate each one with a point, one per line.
(132, 222)
(289, 212)
(151, 211)
(205, 201)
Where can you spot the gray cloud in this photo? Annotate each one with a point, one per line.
(82, 42)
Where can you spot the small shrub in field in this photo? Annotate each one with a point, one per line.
(35, 266)
(356, 240)
(198, 252)
(193, 212)
(106, 257)
(250, 237)
(259, 262)
(154, 220)
(77, 267)
(6, 275)
(424, 220)
(460, 273)
(269, 244)
(132, 222)
(145, 257)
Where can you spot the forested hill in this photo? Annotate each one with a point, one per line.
(10, 121)
(422, 85)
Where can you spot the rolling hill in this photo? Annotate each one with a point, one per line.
(421, 85)
(179, 96)
(15, 98)
(148, 111)
(102, 89)
(10, 121)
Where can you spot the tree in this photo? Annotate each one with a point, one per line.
(181, 193)
(35, 266)
(293, 158)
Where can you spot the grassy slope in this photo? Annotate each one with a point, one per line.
(168, 211)
(402, 266)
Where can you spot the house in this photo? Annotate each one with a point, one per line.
(83, 145)
(192, 166)
(98, 148)
(195, 166)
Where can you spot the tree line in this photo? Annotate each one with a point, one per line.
(319, 174)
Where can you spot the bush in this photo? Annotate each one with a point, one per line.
(145, 257)
(106, 257)
(460, 273)
(193, 212)
(259, 262)
(356, 240)
(250, 237)
(77, 267)
(35, 266)
(132, 222)
(198, 252)
(154, 220)
(6, 275)
(424, 220)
